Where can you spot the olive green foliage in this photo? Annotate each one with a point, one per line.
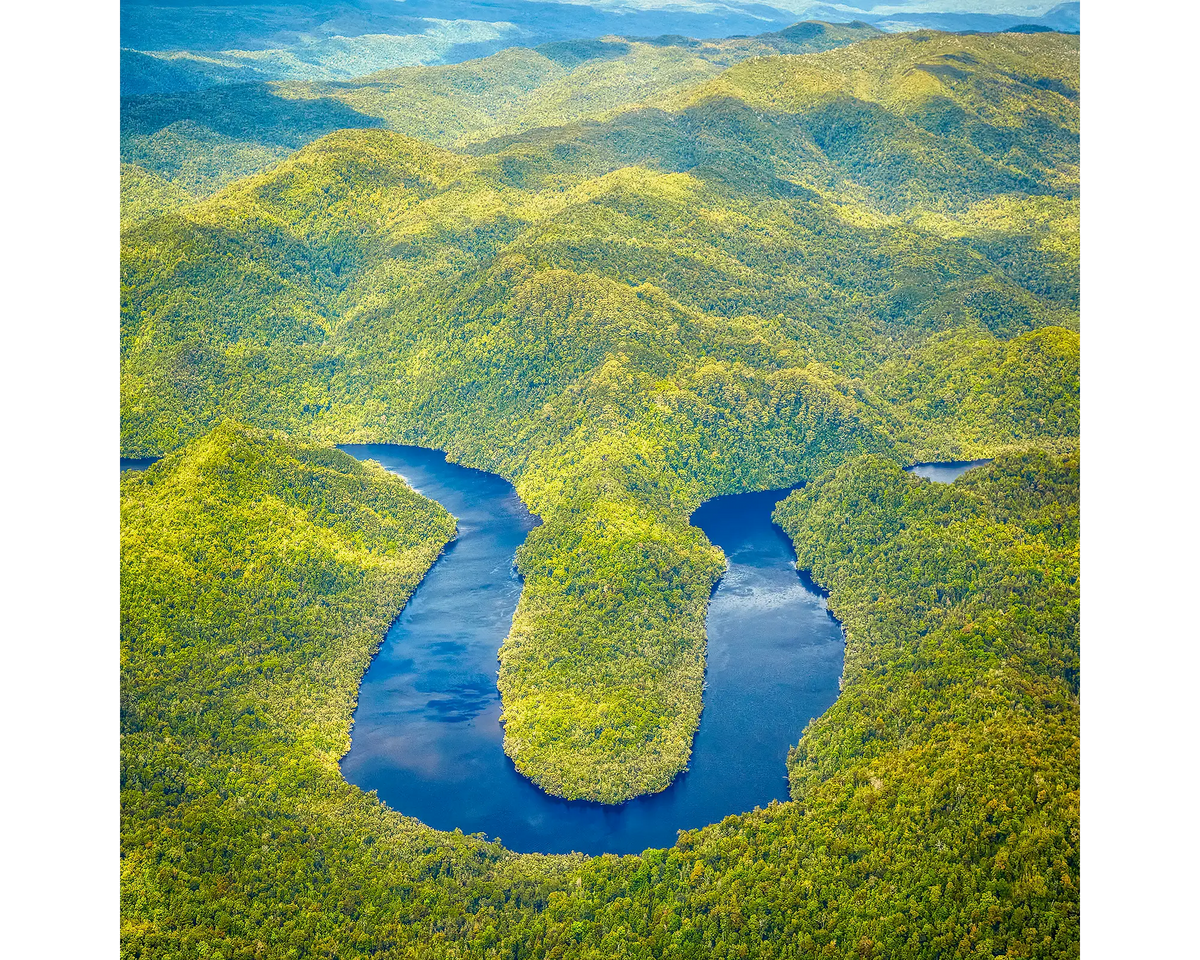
(257, 578)
(145, 195)
(934, 811)
(204, 138)
(967, 395)
(626, 317)
(955, 739)
(256, 551)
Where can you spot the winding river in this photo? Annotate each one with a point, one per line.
(427, 734)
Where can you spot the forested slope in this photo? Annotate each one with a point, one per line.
(203, 138)
(798, 262)
(934, 811)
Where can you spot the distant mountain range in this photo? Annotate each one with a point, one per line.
(179, 47)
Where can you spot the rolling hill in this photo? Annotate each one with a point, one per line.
(755, 280)
(628, 275)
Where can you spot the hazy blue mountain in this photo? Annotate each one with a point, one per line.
(187, 46)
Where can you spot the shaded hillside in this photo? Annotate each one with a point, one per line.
(625, 317)
(184, 45)
(253, 123)
(935, 808)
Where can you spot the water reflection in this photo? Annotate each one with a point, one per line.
(137, 463)
(427, 734)
(946, 472)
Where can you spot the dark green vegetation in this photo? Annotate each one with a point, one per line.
(934, 811)
(185, 45)
(627, 276)
(871, 249)
(181, 46)
(255, 572)
(958, 723)
(202, 140)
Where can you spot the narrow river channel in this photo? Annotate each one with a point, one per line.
(427, 732)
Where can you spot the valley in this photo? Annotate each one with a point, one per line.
(427, 730)
(650, 297)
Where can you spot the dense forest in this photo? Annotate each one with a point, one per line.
(934, 811)
(200, 140)
(596, 311)
(628, 276)
(188, 45)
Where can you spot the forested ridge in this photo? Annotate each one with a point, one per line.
(200, 140)
(934, 811)
(761, 271)
(629, 315)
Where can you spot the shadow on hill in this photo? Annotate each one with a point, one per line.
(248, 112)
(900, 158)
(571, 53)
(144, 75)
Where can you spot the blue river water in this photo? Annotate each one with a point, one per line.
(427, 732)
(946, 472)
(137, 463)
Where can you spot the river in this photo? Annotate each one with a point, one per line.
(944, 472)
(427, 732)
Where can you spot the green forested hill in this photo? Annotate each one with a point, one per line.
(934, 810)
(795, 263)
(205, 138)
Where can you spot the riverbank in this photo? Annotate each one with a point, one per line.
(249, 611)
(428, 735)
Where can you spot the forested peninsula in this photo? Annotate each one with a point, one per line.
(816, 268)
(934, 811)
